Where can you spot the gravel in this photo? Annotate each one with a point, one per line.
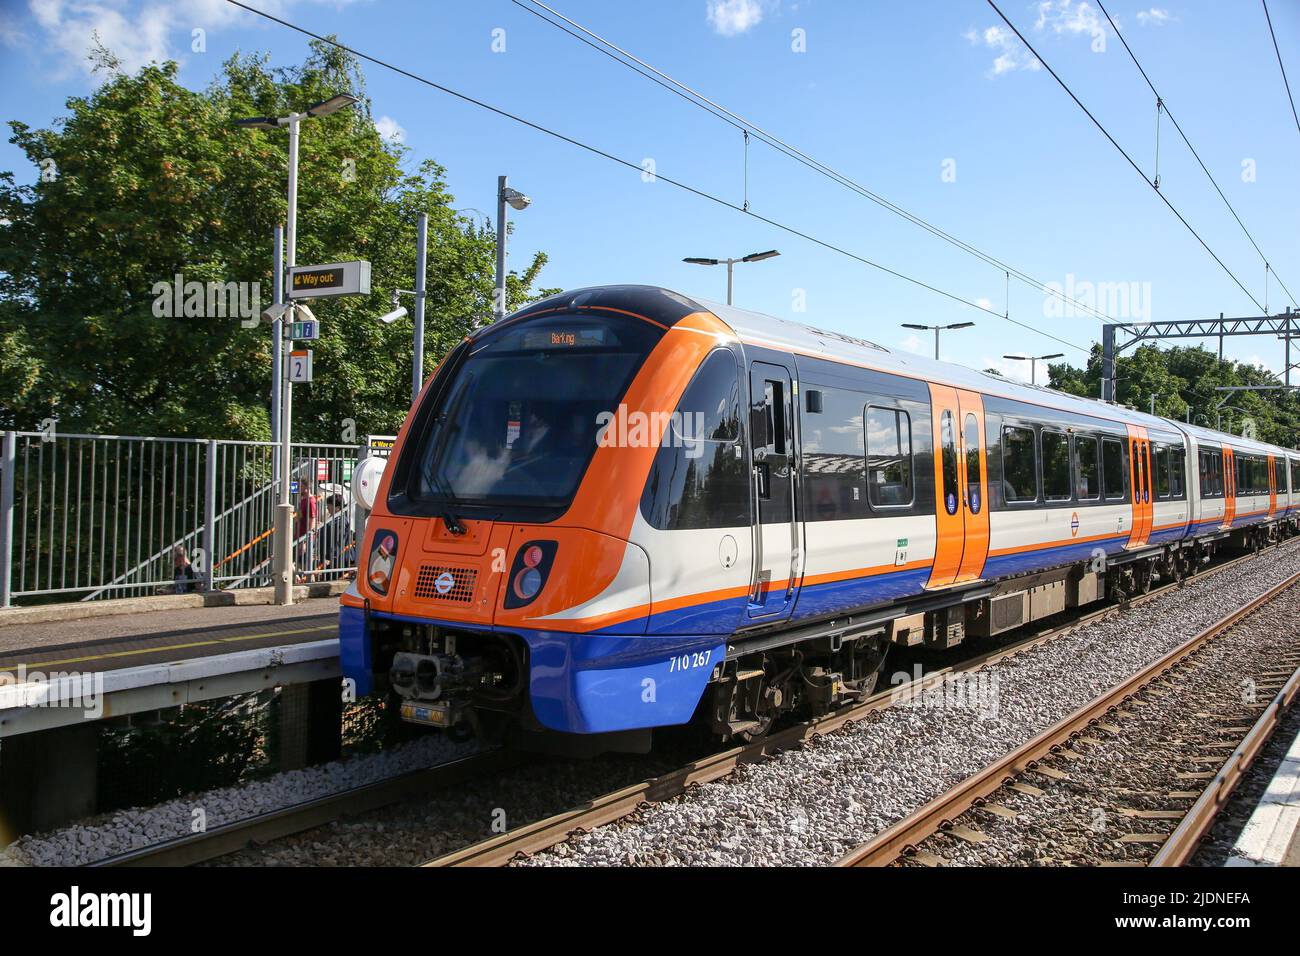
(110, 834)
(1180, 724)
(806, 806)
(811, 805)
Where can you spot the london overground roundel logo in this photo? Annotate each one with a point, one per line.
(1074, 524)
(444, 582)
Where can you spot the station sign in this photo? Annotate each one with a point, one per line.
(308, 330)
(300, 366)
(332, 278)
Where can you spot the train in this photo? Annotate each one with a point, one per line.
(622, 509)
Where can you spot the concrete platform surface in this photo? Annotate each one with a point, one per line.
(1272, 835)
(110, 643)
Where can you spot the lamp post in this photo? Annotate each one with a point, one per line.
(731, 263)
(399, 310)
(283, 315)
(513, 197)
(1033, 361)
(936, 329)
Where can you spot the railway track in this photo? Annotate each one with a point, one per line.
(544, 834)
(278, 824)
(1032, 769)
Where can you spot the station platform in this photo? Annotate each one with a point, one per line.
(65, 665)
(1271, 836)
(163, 636)
(66, 668)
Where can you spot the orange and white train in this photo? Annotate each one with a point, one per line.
(620, 509)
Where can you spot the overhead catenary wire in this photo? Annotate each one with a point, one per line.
(1285, 82)
(1162, 103)
(695, 98)
(1123, 152)
(637, 167)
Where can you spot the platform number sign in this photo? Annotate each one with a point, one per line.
(300, 366)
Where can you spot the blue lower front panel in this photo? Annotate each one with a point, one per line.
(354, 649)
(583, 683)
(588, 684)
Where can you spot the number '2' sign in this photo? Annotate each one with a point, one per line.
(300, 366)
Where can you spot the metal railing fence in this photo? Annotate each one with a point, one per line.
(105, 516)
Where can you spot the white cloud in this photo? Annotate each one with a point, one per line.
(1012, 55)
(733, 17)
(1065, 16)
(1154, 17)
(137, 32)
(390, 129)
(1011, 369)
(10, 34)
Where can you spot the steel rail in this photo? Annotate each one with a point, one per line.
(277, 824)
(546, 833)
(1182, 843)
(939, 813)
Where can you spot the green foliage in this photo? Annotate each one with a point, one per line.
(1180, 377)
(149, 179)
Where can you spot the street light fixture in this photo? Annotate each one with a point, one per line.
(283, 549)
(752, 257)
(936, 329)
(518, 201)
(1033, 361)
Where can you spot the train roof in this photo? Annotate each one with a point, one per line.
(780, 333)
(669, 307)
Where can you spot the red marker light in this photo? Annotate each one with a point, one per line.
(533, 556)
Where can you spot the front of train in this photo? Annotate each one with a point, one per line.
(498, 584)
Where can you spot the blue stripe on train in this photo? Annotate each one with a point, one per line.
(1025, 561)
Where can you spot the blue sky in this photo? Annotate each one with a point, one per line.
(930, 104)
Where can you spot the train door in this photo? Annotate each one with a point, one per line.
(1140, 483)
(777, 556)
(961, 487)
(1229, 486)
(1272, 486)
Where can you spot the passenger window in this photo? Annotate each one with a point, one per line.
(834, 457)
(1087, 483)
(1114, 481)
(1056, 466)
(699, 478)
(1019, 468)
(971, 439)
(1162, 471)
(948, 441)
(889, 457)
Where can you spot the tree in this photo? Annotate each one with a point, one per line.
(146, 180)
(1187, 377)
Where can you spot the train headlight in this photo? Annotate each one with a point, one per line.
(528, 575)
(383, 557)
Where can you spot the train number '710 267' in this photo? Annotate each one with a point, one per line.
(687, 662)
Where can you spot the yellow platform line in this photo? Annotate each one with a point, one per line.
(168, 647)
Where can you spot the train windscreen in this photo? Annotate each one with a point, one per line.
(517, 423)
